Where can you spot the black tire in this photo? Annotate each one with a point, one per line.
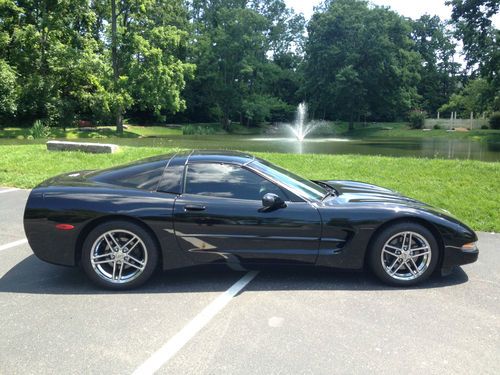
(413, 269)
(137, 265)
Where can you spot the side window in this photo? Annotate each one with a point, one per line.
(144, 176)
(171, 181)
(228, 181)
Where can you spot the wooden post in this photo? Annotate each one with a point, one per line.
(471, 119)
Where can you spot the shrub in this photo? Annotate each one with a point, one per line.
(495, 120)
(198, 130)
(39, 130)
(258, 109)
(485, 127)
(417, 119)
(437, 127)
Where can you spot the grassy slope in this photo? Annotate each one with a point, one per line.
(378, 130)
(468, 189)
(402, 130)
(132, 131)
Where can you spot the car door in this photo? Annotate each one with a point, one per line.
(220, 217)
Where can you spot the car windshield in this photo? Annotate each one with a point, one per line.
(305, 188)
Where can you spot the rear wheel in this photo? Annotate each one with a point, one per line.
(119, 255)
(404, 254)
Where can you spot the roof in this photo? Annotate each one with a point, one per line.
(214, 156)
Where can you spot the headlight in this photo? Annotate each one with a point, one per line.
(471, 246)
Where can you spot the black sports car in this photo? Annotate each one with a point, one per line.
(196, 207)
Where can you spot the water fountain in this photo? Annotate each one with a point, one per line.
(298, 132)
(299, 128)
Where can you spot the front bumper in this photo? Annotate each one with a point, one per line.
(454, 256)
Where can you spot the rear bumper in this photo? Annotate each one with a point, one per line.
(454, 256)
(49, 244)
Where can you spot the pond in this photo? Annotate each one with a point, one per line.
(413, 147)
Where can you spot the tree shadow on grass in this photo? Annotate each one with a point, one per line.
(33, 276)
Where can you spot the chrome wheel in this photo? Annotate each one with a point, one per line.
(119, 256)
(406, 256)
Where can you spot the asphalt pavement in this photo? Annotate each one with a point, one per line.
(294, 321)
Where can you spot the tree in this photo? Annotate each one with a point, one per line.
(474, 97)
(359, 61)
(350, 95)
(438, 70)
(48, 46)
(95, 59)
(8, 90)
(472, 19)
(147, 42)
(239, 48)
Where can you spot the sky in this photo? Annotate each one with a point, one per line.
(413, 9)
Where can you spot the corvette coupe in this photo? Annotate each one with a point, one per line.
(188, 208)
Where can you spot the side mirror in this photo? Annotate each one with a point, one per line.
(271, 200)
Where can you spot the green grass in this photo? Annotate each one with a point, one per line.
(132, 131)
(11, 132)
(153, 131)
(469, 189)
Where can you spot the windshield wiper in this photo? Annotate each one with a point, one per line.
(328, 194)
(330, 191)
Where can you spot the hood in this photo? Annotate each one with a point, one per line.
(352, 192)
(344, 187)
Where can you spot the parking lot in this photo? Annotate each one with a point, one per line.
(294, 321)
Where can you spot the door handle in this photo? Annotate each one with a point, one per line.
(194, 207)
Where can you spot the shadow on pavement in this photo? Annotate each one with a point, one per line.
(36, 277)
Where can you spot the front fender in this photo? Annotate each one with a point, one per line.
(356, 226)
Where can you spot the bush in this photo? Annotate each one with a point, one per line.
(485, 127)
(39, 130)
(437, 127)
(417, 119)
(257, 109)
(495, 120)
(198, 130)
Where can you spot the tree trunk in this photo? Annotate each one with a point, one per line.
(119, 121)
(225, 123)
(351, 123)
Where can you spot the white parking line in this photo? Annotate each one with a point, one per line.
(172, 346)
(8, 190)
(13, 244)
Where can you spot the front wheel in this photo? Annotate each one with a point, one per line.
(404, 254)
(119, 255)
